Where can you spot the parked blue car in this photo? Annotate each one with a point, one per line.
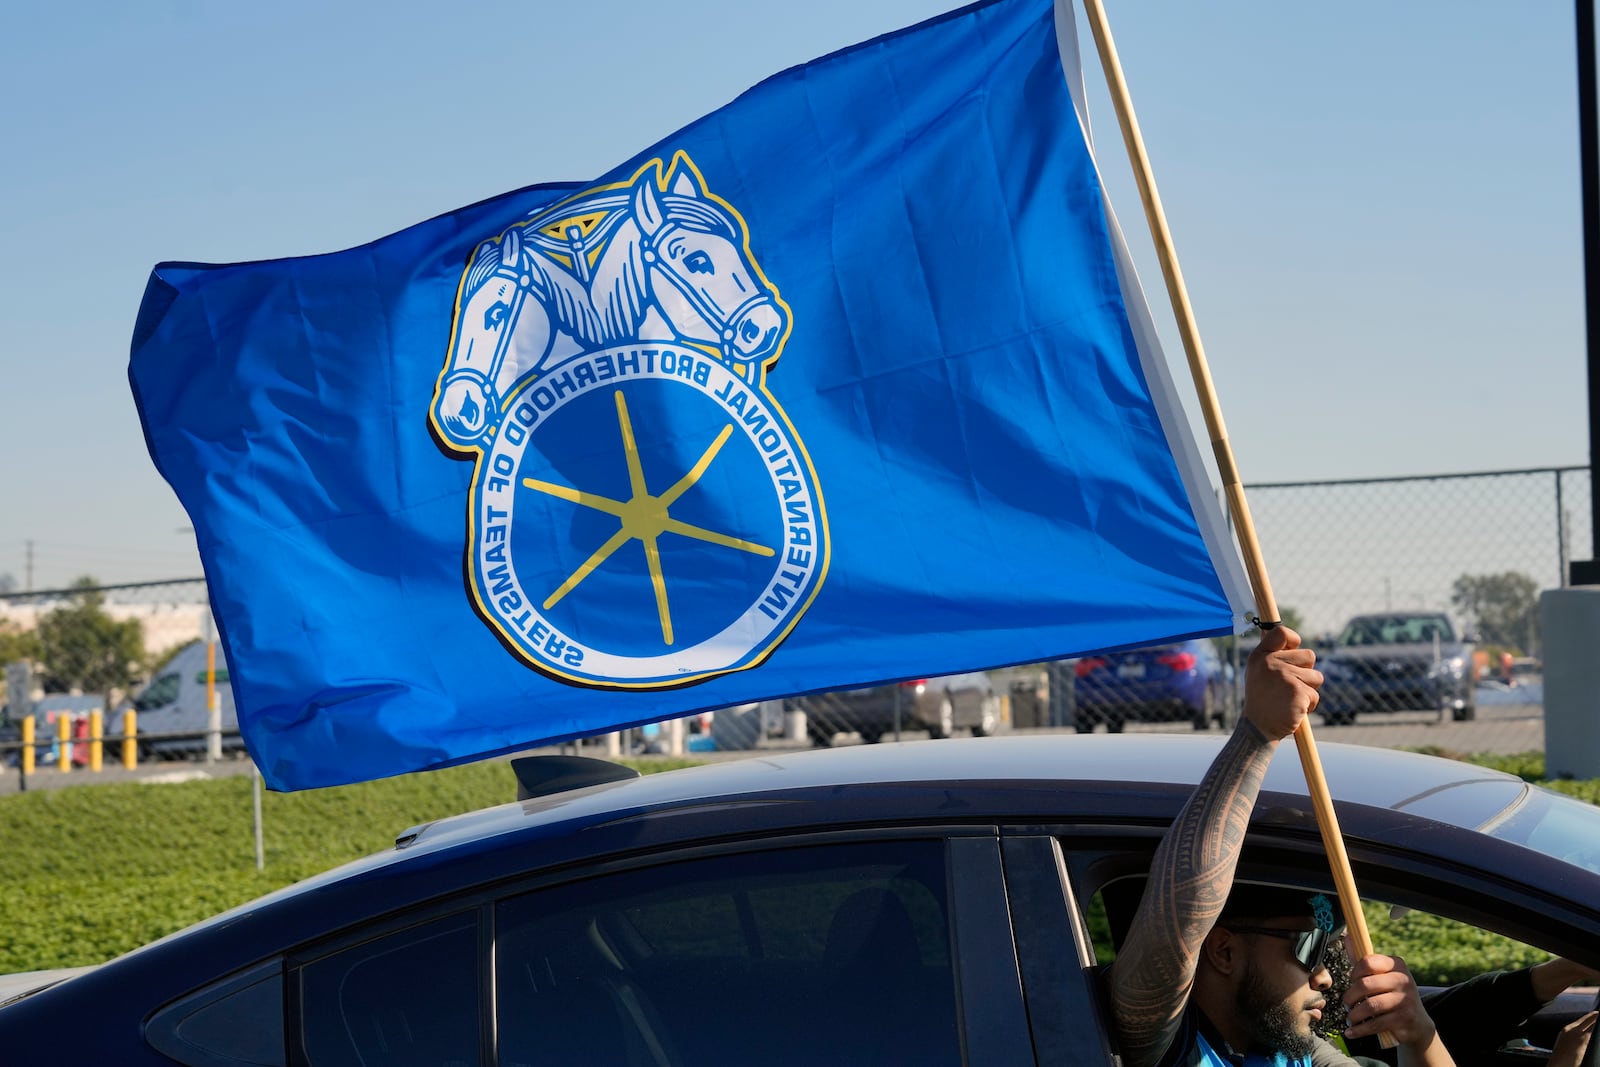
(1187, 681)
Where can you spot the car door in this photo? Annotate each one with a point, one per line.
(836, 948)
(1056, 959)
(848, 952)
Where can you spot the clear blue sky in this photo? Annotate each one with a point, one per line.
(1376, 205)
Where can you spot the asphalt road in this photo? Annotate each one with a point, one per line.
(154, 772)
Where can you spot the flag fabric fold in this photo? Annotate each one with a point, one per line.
(848, 381)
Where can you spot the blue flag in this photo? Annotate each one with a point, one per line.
(848, 381)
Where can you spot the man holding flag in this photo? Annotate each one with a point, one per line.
(1215, 972)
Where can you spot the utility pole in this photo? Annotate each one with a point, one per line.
(1587, 571)
(1570, 618)
(27, 581)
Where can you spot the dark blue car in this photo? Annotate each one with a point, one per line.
(1184, 682)
(921, 903)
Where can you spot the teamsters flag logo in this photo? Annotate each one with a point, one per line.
(594, 347)
(849, 381)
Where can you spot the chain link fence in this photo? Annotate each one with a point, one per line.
(1420, 595)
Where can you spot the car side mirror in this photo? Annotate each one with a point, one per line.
(1469, 638)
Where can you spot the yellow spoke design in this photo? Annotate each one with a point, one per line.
(588, 500)
(658, 580)
(700, 533)
(631, 447)
(601, 554)
(644, 517)
(696, 472)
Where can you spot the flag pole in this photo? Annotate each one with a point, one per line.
(1255, 568)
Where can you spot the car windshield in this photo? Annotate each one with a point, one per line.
(1554, 824)
(159, 693)
(1397, 630)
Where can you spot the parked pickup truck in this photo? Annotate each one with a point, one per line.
(1398, 661)
(174, 702)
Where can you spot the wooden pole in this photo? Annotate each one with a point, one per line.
(1255, 568)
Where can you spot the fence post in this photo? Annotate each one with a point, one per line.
(63, 742)
(255, 801)
(27, 746)
(97, 727)
(130, 744)
(1562, 578)
(213, 729)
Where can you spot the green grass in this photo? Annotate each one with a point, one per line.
(88, 873)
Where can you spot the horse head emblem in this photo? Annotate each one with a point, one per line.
(651, 260)
(496, 287)
(710, 293)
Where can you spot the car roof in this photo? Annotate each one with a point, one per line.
(1425, 807)
(1163, 767)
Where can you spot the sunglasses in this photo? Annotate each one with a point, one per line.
(1310, 946)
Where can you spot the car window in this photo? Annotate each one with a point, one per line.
(159, 693)
(238, 1020)
(410, 998)
(733, 960)
(1397, 630)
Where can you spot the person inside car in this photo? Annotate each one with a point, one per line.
(1213, 974)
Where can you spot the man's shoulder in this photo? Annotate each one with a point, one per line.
(1327, 1054)
(1188, 1048)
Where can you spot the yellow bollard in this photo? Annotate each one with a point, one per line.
(97, 725)
(64, 739)
(27, 745)
(130, 746)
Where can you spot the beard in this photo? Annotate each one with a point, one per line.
(1275, 1025)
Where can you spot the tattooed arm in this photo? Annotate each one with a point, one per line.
(1193, 869)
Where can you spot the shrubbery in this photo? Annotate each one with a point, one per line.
(91, 872)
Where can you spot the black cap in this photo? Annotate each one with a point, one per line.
(1252, 901)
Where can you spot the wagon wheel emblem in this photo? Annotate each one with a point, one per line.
(644, 518)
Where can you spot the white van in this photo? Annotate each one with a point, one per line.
(174, 702)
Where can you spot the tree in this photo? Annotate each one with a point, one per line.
(16, 644)
(1505, 605)
(8, 584)
(83, 648)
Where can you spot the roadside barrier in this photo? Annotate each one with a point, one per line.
(78, 743)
